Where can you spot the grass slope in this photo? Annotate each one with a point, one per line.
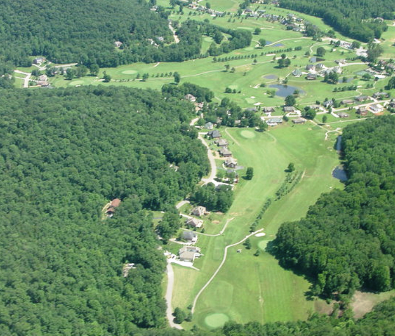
(268, 293)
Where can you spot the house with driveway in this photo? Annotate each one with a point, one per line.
(189, 253)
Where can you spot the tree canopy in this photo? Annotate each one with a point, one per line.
(64, 154)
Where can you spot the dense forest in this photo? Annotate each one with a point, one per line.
(351, 17)
(85, 32)
(347, 240)
(64, 154)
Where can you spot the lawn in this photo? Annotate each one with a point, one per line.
(269, 293)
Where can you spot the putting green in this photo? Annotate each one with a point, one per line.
(129, 72)
(216, 320)
(262, 244)
(76, 83)
(247, 134)
(249, 100)
(233, 87)
(208, 39)
(248, 48)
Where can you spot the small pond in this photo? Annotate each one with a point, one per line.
(339, 174)
(338, 145)
(274, 45)
(285, 90)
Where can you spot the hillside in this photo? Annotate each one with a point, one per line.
(64, 154)
(350, 17)
(77, 31)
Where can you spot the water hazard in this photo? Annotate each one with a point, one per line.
(285, 90)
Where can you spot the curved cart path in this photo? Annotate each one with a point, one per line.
(219, 267)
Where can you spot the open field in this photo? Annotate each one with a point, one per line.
(269, 293)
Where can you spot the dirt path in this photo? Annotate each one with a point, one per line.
(169, 295)
(213, 172)
(219, 267)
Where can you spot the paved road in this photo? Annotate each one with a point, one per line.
(26, 79)
(169, 295)
(213, 172)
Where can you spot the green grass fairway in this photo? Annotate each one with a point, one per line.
(248, 134)
(129, 72)
(269, 293)
(263, 244)
(216, 320)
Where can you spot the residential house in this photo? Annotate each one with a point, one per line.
(299, 121)
(214, 134)
(310, 67)
(117, 44)
(221, 142)
(362, 111)
(376, 108)
(347, 101)
(209, 126)
(320, 67)
(328, 103)
(297, 73)
(361, 98)
(194, 222)
(289, 109)
(126, 268)
(231, 162)
(189, 236)
(380, 95)
(315, 107)
(38, 60)
(190, 97)
(43, 81)
(225, 152)
(343, 115)
(311, 76)
(199, 211)
(189, 253)
(268, 109)
(274, 121)
(113, 205)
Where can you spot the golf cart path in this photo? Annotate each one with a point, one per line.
(219, 268)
